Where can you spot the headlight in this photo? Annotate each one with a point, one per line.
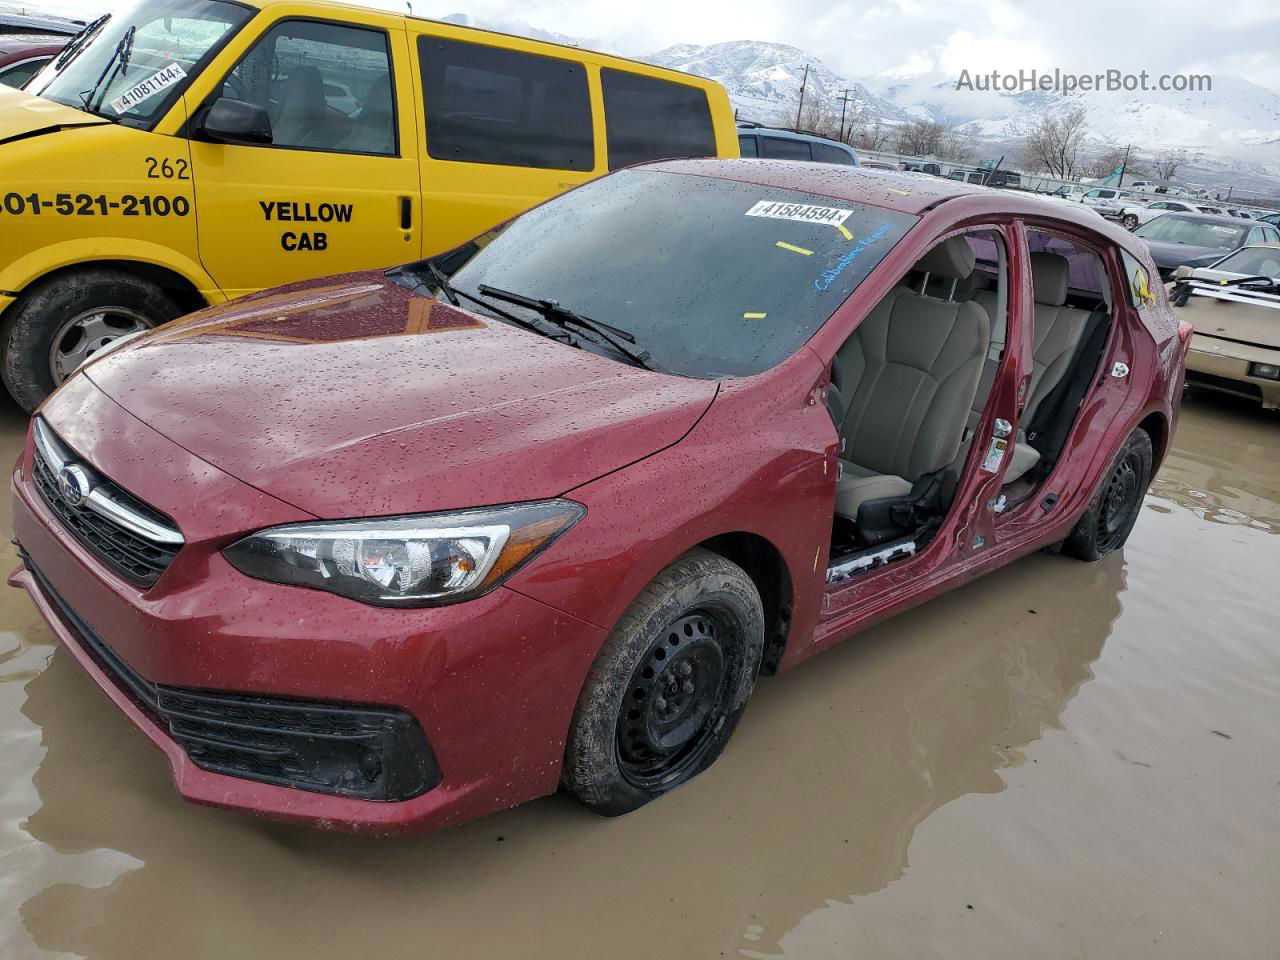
(414, 561)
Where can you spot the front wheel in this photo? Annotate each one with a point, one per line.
(1129, 221)
(668, 686)
(1106, 524)
(62, 322)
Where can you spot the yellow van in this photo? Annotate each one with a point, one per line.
(184, 152)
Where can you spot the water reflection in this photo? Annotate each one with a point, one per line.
(817, 799)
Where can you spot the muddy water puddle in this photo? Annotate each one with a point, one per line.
(1060, 760)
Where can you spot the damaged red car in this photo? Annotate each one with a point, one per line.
(390, 551)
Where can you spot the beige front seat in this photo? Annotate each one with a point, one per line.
(1057, 335)
(910, 371)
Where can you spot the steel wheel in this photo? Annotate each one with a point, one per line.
(85, 334)
(673, 701)
(1119, 500)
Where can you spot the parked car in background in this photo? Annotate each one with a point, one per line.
(923, 166)
(1144, 186)
(1237, 212)
(874, 164)
(27, 23)
(967, 176)
(1234, 306)
(778, 144)
(1004, 178)
(1131, 215)
(1108, 200)
(22, 55)
(236, 147)
(397, 549)
(1272, 218)
(1199, 239)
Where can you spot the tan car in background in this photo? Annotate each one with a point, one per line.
(1234, 306)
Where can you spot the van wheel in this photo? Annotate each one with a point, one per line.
(60, 323)
(1107, 522)
(668, 686)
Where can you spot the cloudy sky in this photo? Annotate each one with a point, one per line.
(911, 36)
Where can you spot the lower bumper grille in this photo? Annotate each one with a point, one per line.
(370, 753)
(1241, 388)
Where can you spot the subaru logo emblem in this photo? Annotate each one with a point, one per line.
(74, 485)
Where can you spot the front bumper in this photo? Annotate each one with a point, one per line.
(490, 683)
(1223, 366)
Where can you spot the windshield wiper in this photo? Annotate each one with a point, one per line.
(453, 294)
(565, 318)
(116, 65)
(77, 43)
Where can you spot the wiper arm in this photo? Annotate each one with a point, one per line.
(116, 64)
(452, 294)
(564, 317)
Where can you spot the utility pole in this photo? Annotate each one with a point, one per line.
(803, 83)
(844, 102)
(1124, 164)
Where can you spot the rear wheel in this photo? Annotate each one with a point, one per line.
(62, 322)
(1129, 221)
(668, 686)
(1106, 524)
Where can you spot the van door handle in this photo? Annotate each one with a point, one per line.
(406, 213)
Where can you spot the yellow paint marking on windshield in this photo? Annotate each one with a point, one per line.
(793, 248)
(845, 230)
(754, 316)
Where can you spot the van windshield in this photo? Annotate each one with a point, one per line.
(130, 66)
(715, 278)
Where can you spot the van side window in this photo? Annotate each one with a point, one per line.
(748, 146)
(489, 105)
(325, 86)
(776, 148)
(651, 119)
(825, 153)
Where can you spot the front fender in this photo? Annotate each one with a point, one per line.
(19, 274)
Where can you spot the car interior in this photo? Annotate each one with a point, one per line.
(909, 386)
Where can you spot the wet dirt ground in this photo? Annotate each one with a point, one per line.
(1060, 760)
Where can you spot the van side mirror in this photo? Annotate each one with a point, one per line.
(237, 122)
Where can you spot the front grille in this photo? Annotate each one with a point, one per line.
(372, 753)
(137, 559)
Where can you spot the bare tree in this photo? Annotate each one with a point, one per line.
(1054, 143)
(1167, 164)
(920, 138)
(875, 136)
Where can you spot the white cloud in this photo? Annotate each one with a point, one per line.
(881, 35)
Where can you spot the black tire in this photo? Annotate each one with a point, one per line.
(1106, 524)
(668, 687)
(1129, 221)
(37, 320)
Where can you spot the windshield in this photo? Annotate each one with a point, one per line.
(1252, 262)
(132, 64)
(1196, 233)
(713, 277)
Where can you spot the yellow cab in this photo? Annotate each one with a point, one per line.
(180, 153)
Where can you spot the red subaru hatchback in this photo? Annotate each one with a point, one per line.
(394, 550)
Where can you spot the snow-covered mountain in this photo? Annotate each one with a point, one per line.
(763, 79)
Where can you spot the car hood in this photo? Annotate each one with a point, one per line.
(1232, 313)
(22, 115)
(1169, 255)
(353, 397)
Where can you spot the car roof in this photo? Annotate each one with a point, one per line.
(783, 134)
(336, 5)
(1205, 217)
(903, 191)
(31, 43)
